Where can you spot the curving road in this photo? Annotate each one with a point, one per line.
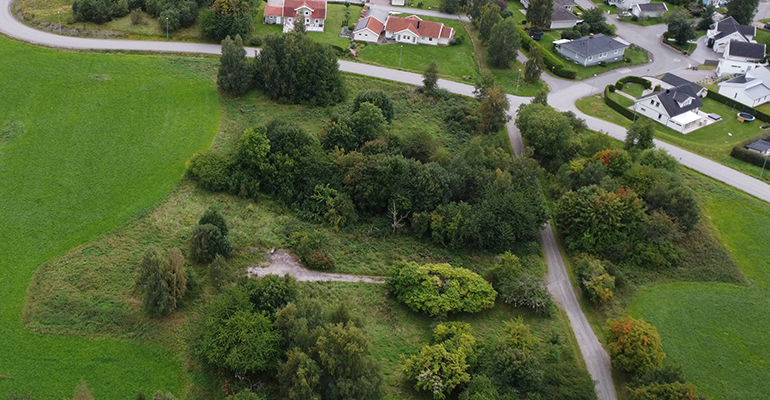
(563, 96)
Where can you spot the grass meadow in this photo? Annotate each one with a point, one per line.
(91, 141)
(719, 332)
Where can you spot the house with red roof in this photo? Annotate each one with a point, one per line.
(413, 30)
(368, 29)
(285, 12)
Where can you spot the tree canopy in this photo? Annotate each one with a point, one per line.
(504, 43)
(634, 345)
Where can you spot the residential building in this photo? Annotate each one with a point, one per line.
(650, 10)
(398, 2)
(368, 29)
(284, 12)
(727, 30)
(676, 108)
(670, 81)
(740, 57)
(413, 30)
(625, 4)
(592, 49)
(751, 88)
(563, 16)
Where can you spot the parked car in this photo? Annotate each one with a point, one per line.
(767, 25)
(624, 14)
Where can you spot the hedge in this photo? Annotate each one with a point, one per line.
(752, 157)
(615, 105)
(742, 107)
(551, 61)
(636, 79)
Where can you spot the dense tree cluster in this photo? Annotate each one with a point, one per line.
(99, 11)
(596, 282)
(634, 345)
(228, 18)
(742, 10)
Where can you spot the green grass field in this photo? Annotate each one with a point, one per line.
(712, 141)
(634, 89)
(88, 154)
(719, 332)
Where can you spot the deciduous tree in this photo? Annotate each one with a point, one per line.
(503, 44)
(680, 28)
(639, 136)
(430, 77)
(539, 13)
(380, 99)
(634, 345)
(546, 130)
(234, 76)
(162, 281)
(742, 10)
(534, 66)
(493, 111)
(489, 18)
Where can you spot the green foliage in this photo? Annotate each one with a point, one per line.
(211, 170)
(175, 14)
(533, 67)
(309, 248)
(514, 360)
(234, 76)
(99, 11)
(380, 99)
(743, 11)
(246, 394)
(294, 68)
(521, 287)
(367, 123)
(430, 78)
(161, 281)
(438, 289)
(332, 207)
(594, 21)
(676, 200)
(450, 6)
(490, 16)
(206, 242)
(634, 345)
(707, 16)
(299, 377)
(251, 161)
(660, 159)
(339, 134)
(594, 279)
(617, 161)
(546, 130)
(639, 136)
(343, 354)
(493, 111)
(539, 13)
(504, 44)
(220, 273)
(272, 292)
(480, 387)
(227, 18)
(667, 391)
(679, 27)
(213, 217)
(666, 374)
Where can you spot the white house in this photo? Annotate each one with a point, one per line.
(368, 29)
(398, 2)
(751, 88)
(413, 30)
(676, 108)
(740, 57)
(726, 30)
(625, 4)
(651, 10)
(284, 12)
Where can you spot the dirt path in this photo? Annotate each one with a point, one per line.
(282, 263)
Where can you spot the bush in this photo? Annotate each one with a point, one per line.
(519, 287)
(99, 11)
(458, 40)
(634, 345)
(207, 242)
(615, 105)
(211, 170)
(136, 17)
(594, 279)
(213, 217)
(309, 248)
(612, 88)
(570, 34)
(255, 41)
(272, 292)
(635, 79)
(438, 289)
(740, 151)
(380, 99)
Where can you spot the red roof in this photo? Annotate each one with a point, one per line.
(274, 11)
(374, 25)
(417, 26)
(290, 7)
(447, 32)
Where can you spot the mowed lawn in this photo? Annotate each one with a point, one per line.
(720, 333)
(87, 142)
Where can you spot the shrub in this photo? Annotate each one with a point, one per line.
(611, 88)
(458, 40)
(213, 217)
(272, 292)
(99, 11)
(594, 279)
(740, 151)
(519, 287)
(220, 273)
(380, 99)
(136, 17)
(211, 170)
(161, 281)
(634, 345)
(438, 289)
(207, 242)
(255, 41)
(308, 247)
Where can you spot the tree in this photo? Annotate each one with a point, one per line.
(539, 13)
(207, 242)
(493, 111)
(296, 69)
(503, 44)
(380, 99)
(518, 287)
(227, 18)
(430, 77)
(666, 391)
(213, 217)
(676, 200)
(234, 76)
(707, 16)
(299, 377)
(484, 82)
(272, 292)
(540, 98)
(546, 130)
(82, 392)
(533, 68)
(161, 281)
(594, 21)
(476, 10)
(299, 26)
(219, 272)
(594, 279)
(450, 6)
(514, 360)
(634, 345)
(343, 354)
(438, 289)
(639, 135)
(489, 18)
(367, 123)
(742, 10)
(680, 28)
(211, 170)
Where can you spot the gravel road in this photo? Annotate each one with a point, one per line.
(282, 263)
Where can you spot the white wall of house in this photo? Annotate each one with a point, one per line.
(427, 40)
(563, 24)
(732, 67)
(398, 2)
(404, 36)
(444, 40)
(651, 108)
(366, 35)
(738, 93)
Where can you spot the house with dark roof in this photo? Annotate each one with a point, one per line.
(591, 50)
(676, 108)
(726, 30)
(368, 29)
(284, 12)
(413, 30)
(751, 88)
(670, 81)
(650, 10)
(740, 57)
(563, 16)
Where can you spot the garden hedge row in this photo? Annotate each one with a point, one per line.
(752, 157)
(742, 107)
(551, 61)
(615, 105)
(636, 79)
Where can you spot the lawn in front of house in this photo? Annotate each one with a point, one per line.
(605, 7)
(634, 89)
(634, 54)
(712, 141)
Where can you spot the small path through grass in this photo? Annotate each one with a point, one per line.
(282, 263)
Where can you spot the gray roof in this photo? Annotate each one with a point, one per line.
(730, 25)
(758, 91)
(560, 14)
(675, 80)
(564, 3)
(670, 99)
(653, 7)
(760, 146)
(749, 50)
(361, 23)
(738, 79)
(591, 46)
